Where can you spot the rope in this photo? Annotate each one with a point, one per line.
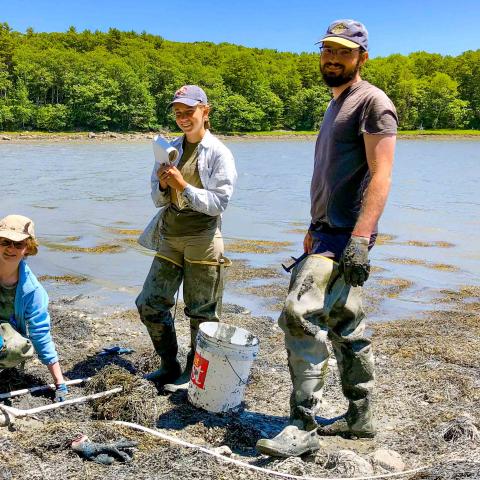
(242, 381)
(246, 465)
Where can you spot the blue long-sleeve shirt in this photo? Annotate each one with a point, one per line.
(31, 314)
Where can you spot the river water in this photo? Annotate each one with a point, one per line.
(84, 193)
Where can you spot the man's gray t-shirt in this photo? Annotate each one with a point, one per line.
(341, 174)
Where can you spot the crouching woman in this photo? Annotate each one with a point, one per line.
(24, 317)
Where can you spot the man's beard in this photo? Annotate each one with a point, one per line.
(336, 80)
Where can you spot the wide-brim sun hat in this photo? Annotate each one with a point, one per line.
(17, 228)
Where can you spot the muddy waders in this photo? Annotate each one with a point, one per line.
(16, 349)
(154, 304)
(202, 293)
(320, 306)
(203, 285)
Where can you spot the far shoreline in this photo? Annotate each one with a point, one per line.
(273, 135)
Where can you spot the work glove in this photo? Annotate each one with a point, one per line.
(104, 453)
(61, 392)
(115, 350)
(354, 264)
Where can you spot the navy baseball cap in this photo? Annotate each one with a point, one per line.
(190, 95)
(349, 33)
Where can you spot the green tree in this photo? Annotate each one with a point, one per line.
(440, 106)
(52, 117)
(467, 73)
(22, 107)
(7, 118)
(306, 109)
(236, 113)
(125, 80)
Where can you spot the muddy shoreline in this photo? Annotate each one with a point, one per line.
(15, 137)
(427, 377)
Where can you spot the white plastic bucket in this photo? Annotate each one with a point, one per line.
(223, 358)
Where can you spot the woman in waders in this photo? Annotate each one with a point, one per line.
(193, 192)
(24, 317)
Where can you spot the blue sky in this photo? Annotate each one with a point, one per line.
(403, 26)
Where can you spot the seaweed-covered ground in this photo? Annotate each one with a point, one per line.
(427, 397)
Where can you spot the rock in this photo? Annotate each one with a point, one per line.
(5, 137)
(388, 459)
(223, 450)
(113, 135)
(293, 466)
(348, 463)
(92, 135)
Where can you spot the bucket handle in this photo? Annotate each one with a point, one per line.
(235, 372)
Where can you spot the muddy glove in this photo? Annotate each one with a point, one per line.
(104, 453)
(61, 392)
(115, 351)
(354, 264)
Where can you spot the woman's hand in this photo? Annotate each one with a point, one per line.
(172, 177)
(162, 175)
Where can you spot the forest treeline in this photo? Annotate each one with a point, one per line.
(124, 80)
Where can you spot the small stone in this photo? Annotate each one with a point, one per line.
(5, 137)
(388, 459)
(293, 466)
(223, 450)
(92, 135)
(346, 462)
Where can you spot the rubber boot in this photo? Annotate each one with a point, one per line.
(154, 304)
(355, 362)
(356, 423)
(181, 383)
(290, 442)
(305, 340)
(299, 437)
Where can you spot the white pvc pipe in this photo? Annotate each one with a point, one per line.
(10, 413)
(246, 465)
(50, 386)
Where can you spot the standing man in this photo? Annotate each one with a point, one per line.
(350, 184)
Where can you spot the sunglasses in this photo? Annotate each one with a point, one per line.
(5, 242)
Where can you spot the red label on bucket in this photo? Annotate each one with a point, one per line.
(199, 371)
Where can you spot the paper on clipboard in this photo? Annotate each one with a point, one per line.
(163, 151)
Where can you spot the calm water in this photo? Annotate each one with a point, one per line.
(87, 190)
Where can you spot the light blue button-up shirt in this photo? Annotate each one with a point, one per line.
(216, 168)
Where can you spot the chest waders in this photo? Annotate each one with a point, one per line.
(16, 348)
(203, 283)
(320, 306)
